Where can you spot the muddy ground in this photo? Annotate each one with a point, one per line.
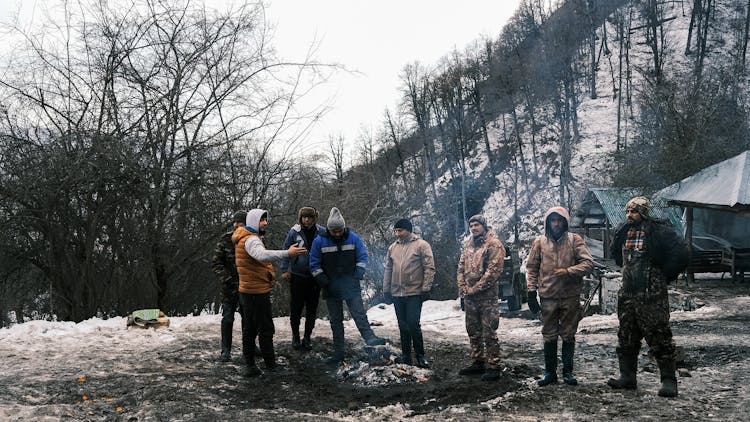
(107, 377)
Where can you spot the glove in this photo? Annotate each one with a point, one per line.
(533, 302)
(322, 280)
(387, 298)
(425, 296)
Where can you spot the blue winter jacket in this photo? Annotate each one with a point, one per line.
(299, 265)
(338, 266)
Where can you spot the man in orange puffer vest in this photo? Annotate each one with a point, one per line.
(256, 273)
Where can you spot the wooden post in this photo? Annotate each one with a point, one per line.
(689, 239)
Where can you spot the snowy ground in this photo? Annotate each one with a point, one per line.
(99, 370)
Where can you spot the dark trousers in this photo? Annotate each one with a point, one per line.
(305, 294)
(257, 322)
(228, 308)
(336, 317)
(408, 313)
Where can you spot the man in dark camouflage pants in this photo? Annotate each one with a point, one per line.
(651, 255)
(479, 270)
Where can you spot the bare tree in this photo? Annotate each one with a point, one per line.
(154, 119)
(336, 148)
(416, 99)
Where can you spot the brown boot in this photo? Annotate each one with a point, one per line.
(476, 368)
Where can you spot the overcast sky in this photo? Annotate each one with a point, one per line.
(377, 39)
(374, 38)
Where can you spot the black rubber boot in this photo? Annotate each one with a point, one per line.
(226, 343)
(404, 358)
(550, 364)
(628, 369)
(667, 368)
(306, 343)
(491, 374)
(422, 362)
(336, 359)
(375, 341)
(296, 343)
(568, 350)
(477, 367)
(252, 371)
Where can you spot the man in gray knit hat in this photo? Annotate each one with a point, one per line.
(338, 260)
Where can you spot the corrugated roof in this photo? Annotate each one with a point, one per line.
(613, 201)
(725, 185)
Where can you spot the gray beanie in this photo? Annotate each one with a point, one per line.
(336, 220)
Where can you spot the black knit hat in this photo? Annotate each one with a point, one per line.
(404, 224)
(239, 216)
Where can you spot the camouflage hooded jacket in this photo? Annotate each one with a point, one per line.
(480, 266)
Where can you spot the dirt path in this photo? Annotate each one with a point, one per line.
(98, 376)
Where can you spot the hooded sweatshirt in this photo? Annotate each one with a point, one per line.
(254, 261)
(547, 255)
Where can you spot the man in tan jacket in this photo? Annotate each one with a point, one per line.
(479, 270)
(558, 261)
(407, 281)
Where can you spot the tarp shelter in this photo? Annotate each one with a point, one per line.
(603, 209)
(717, 215)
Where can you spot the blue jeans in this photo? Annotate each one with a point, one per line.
(336, 317)
(227, 323)
(408, 313)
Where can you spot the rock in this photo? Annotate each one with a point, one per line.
(683, 372)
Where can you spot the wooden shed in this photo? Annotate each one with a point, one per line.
(717, 216)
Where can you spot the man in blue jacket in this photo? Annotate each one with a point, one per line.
(304, 291)
(338, 260)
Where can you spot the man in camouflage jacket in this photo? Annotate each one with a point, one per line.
(479, 270)
(225, 270)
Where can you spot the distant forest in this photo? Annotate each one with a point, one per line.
(129, 136)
